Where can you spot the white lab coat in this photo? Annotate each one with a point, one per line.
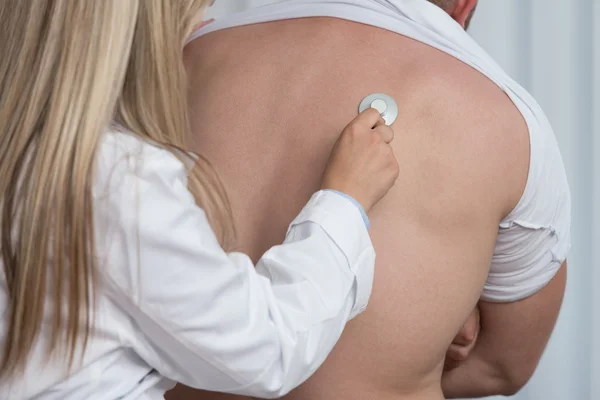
(174, 307)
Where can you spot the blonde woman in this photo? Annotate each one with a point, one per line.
(115, 283)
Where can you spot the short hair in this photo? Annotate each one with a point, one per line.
(443, 4)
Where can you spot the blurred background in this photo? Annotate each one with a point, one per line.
(552, 48)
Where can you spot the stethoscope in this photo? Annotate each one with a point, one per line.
(383, 103)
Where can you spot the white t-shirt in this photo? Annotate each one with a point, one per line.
(172, 306)
(534, 240)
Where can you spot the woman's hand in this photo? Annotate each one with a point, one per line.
(362, 163)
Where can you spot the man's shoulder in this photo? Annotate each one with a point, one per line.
(466, 134)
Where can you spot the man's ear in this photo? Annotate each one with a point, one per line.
(462, 11)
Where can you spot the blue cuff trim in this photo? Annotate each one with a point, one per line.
(356, 204)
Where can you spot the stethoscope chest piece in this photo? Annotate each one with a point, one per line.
(387, 107)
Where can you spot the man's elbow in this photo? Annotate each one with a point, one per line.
(512, 387)
(514, 378)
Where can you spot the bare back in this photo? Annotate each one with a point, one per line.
(268, 104)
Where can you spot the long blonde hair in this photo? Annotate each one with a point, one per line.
(67, 69)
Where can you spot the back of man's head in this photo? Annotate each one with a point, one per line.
(461, 10)
(443, 4)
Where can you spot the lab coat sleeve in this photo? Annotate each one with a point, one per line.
(211, 320)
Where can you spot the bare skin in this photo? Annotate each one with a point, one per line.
(269, 102)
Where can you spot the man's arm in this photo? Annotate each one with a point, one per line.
(512, 339)
(479, 146)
